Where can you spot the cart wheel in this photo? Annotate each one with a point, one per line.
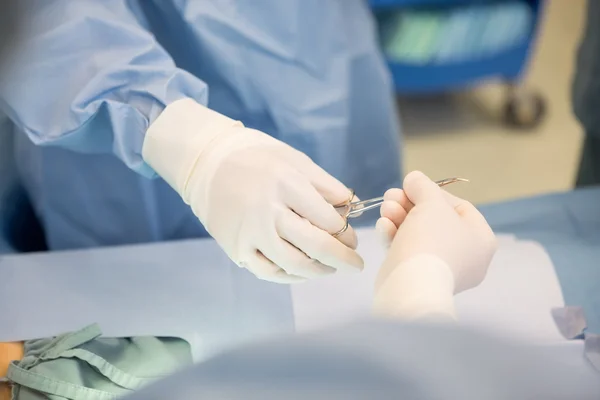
(523, 110)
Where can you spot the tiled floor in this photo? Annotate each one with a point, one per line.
(458, 135)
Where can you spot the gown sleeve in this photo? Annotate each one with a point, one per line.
(89, 77)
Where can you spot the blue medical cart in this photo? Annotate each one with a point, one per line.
(523, 109)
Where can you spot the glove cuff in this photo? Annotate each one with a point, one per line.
(420, 287)
(179, 136)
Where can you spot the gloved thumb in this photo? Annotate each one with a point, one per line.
(419, 188)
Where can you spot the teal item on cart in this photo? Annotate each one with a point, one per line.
(479, 32)
(411, 36)
(454, 34)
(82, 365)
(508, 24)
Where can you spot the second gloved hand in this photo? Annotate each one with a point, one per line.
(267, 205)
(442, 246)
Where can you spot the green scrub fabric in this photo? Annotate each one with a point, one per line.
(82, 365)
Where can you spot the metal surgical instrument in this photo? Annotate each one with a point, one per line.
(350, 209)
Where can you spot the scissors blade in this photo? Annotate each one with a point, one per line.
(355, 209)
(448, 181)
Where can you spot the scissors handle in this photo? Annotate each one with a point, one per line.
(355, 209)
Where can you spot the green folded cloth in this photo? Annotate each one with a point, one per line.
(82, 365)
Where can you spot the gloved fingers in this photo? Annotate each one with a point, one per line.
(331, 189)
(399, 196)
(419, 188)
(318, 244)
(393, 211)
(386, 230)
(265, 269)
(308, 203)
(294, 261)
(348, 237)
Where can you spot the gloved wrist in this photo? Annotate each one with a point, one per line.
(179, 136)
(420, 287)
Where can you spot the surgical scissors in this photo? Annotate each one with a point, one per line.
(350, 209)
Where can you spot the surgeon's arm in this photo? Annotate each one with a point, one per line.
(440, 245)
(91, 78)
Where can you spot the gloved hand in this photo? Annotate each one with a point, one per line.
(267, 205)
(441, 246)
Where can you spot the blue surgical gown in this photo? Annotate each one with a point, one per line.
(385, 360)
(92, 75)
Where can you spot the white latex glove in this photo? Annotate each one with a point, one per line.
(393, 211)
(267, 205)
(441, 246)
